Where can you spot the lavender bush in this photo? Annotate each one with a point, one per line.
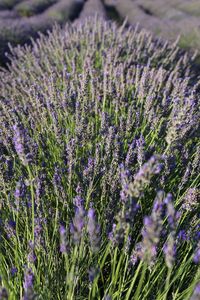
(93, 7)
(28, 8)
(99, 168)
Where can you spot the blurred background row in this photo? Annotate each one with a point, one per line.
(20, 20)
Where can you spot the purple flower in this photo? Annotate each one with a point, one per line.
(197, 289)
(79, 189)
(172, 215)
(107, 297)
(151, 235)
(93, 272)
(89, 170)
(17, 192)
(76, 227)
(28, 280)
(37, 230)
(130, 154)
(18, 140)
(152, 229)
(124, 174)
(12, 224)
(197, 234)
(62, 230)
(93, 230)
(191, 199)
(39, 189)
(140, 143)
(64, 248)
(10, 228)
(31, 257)
(13, 271)
(137, 254)
(111, 234)
(196, 293)
(3, 294)
(78, 201)
(143, 177)
(182, 235)
(170, 251)
(70, 150)
(57, 177)
(124, 221)
(196, 257)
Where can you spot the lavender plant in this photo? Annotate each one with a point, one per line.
(98, 168)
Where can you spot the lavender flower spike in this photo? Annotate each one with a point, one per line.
(196, 257)
(28, 279)
(28, 285)
(63, 240)
(143, 177)
(93, 230)
(76, 227)
(18, 140)
(170, 251)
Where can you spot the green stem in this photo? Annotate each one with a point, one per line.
(133, 281)
(32, 203)
(167, 284)
(138, 290)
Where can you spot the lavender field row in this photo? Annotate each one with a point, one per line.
(20, 20)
